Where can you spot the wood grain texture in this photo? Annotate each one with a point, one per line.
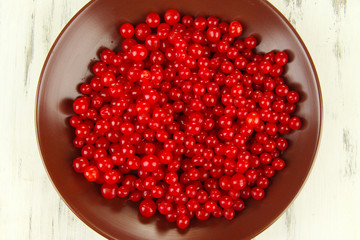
(326, 208)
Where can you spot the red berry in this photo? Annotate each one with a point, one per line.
(142, 30)
(127, 30)
(278, 164)
(80, 105)
(150, 163)
(152, 43)
(238, 205)
(172, 16)
(235, 29)
(228, 213)
(157, 192)
(108, 191)
(292, 97)
(147, 208)
(253, 119)
(213, 34)
(238, 181)
(123, 191)
(112, 177)
(262, 182)
(107, 56)
(202, 214)
(91, 173)
(183, 221)
(138, 52)
(250, 42)
(295, 123)
(225, 202)
(200, 23)
(281, 58)
(80, 164)
(153, 20)
(257, 193)
(107, 78)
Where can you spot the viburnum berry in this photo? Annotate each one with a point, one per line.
(281, 58)
(295, 123)
(153, 20)
(183, 221)
(127, 30)
(80, 164)
(172, 16)
(147, 208)
(108, 191)
(91, 173)
(235, 29)
(257, 193)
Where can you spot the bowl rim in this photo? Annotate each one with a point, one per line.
(252, 235)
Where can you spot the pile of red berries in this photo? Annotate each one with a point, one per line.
(187, 118)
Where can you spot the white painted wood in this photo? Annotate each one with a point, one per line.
(328, 205)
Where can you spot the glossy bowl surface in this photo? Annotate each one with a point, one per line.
(95, 27)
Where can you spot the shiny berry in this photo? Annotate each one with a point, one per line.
(147, 208)
(172, 16)
(235, 29)
(153, 20)
(127, 30)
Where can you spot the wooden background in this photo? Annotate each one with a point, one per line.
(328, 205)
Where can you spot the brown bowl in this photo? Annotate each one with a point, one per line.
(96, 26)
